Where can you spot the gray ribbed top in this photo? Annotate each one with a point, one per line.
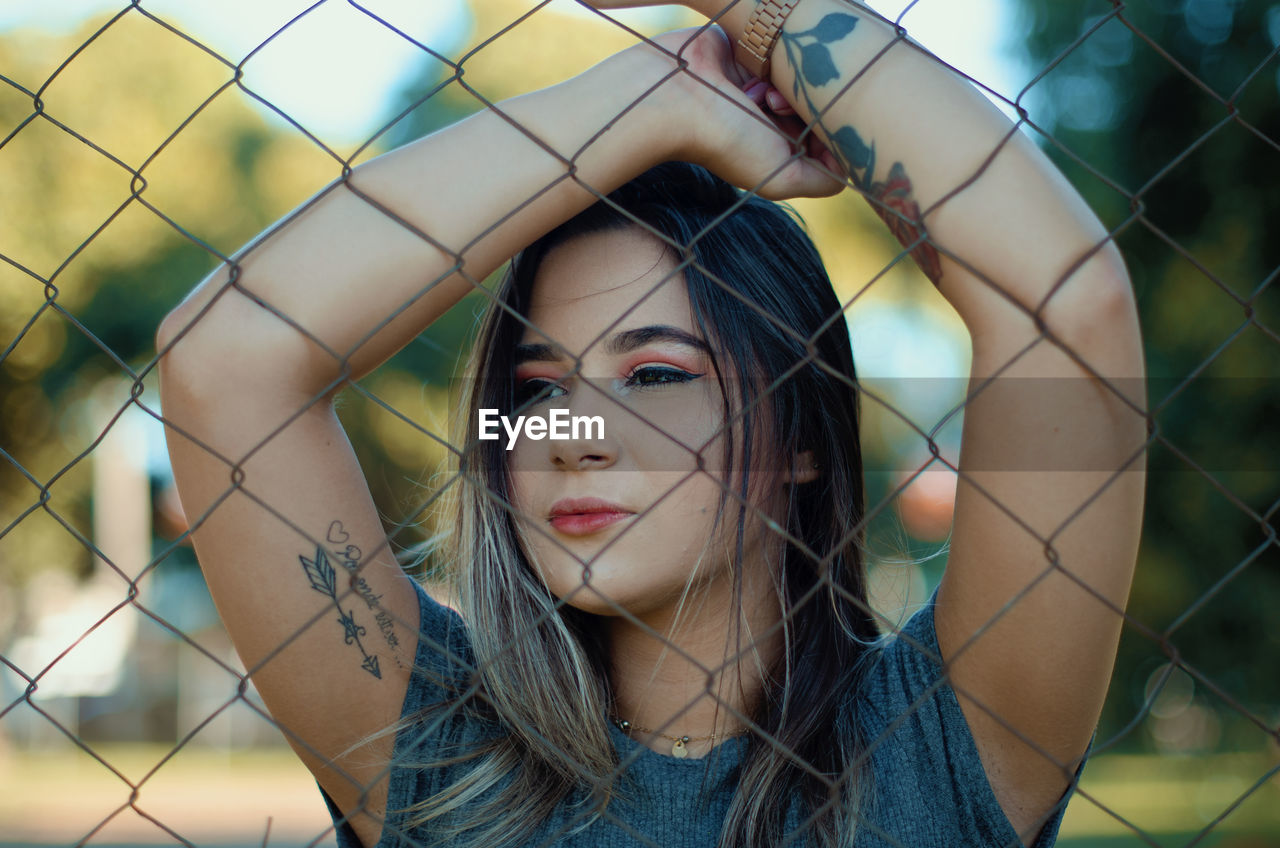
(929, 786)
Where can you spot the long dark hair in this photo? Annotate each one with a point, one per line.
(761, 296)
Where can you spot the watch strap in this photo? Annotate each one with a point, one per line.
(754, 48)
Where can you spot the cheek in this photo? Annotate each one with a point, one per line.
(668, 434)
(528, 464)
(525, 485)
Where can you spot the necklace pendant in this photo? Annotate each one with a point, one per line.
(678, 750)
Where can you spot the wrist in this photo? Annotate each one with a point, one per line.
(754, 49)
(646, 105)
(754, 28)
(667, 103)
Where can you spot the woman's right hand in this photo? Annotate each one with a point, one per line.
(726, 124)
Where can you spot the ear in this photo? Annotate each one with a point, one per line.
(806, 469)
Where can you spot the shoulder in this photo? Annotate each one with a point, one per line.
(903, 661)
(928, 781)
(443, 655)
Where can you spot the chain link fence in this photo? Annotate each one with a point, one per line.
(136, 154)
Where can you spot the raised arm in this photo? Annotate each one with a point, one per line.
(282, 518)
(1046, 524)
(1046, 527)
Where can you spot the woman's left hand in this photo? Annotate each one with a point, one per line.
(769, 99)
(761, 92)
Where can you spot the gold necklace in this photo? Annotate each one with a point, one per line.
(678, 750)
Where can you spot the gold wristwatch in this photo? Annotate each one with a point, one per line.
(755, 48)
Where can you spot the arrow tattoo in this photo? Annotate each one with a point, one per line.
(324, 580)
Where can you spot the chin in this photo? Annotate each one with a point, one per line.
(594, 600)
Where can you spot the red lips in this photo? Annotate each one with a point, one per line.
(580, 516)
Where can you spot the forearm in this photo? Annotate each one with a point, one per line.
(989, 218)
(376, 258)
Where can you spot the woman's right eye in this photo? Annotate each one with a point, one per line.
(530, 390)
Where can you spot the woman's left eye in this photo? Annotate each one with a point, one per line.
(655, 376)
(533, 388)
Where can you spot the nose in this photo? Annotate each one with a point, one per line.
(592, 442)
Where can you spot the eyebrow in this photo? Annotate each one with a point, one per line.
(619, 343)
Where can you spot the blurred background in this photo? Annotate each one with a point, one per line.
(140, 144)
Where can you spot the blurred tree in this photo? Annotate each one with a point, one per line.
(90, 170)
(1165, 114)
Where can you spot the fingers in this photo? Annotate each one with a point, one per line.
(777, 103)
(824, 172)
(801, 177)
(756, 90)
(820, 177)
(766, 96)
(756, 135)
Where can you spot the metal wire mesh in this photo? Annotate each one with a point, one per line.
(69, 497)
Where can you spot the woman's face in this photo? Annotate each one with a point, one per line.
(613, 299)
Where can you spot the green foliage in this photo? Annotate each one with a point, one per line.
(92, 269)
(1166, 116)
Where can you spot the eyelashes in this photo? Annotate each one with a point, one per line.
(536, 390)
(649, 377)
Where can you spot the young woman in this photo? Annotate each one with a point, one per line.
(662, 634)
